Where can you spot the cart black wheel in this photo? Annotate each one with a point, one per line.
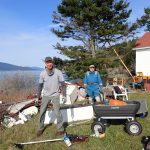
(133, 128)
(98, 126)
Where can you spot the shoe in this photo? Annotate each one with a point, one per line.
(60, 132)
(40, 132)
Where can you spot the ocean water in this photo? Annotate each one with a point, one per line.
(32, 73)
(12, 73)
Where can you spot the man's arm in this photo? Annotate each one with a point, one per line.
(63, 85)
(100, 80)
(39, 90)
(85, 80)
(40, 87)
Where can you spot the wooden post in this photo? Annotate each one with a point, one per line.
(122, 62)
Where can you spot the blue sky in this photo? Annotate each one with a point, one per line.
(25, 37)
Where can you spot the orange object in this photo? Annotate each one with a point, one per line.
(102, 135)
(116, 102)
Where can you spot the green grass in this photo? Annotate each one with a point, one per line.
(115, 139)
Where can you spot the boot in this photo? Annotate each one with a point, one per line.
(40, 132)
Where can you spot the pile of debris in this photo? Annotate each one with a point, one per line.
(17, 113)
(3, 108)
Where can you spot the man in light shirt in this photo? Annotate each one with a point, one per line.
(49, 83)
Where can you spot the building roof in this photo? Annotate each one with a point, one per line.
(144, 41)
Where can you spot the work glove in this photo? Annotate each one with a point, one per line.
(36, 102)
(85, 85)
(64, 99)
(100, 84)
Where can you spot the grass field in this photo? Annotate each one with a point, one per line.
(116, 138)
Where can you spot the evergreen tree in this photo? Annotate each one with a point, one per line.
(93, 22)
(144, 21)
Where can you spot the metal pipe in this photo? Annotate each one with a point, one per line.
(20, 145)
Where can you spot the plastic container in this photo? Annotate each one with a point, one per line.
(67, 140)
(116, 102)
(106, 102)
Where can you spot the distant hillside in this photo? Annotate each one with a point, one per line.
(10, 67)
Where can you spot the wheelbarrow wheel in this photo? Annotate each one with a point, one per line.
(133, 128)
(98, 126)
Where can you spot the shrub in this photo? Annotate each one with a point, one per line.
(17, 86)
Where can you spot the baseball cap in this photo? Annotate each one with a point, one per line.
(91, 66)
(48, 59)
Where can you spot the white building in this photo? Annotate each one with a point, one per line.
(142, 49)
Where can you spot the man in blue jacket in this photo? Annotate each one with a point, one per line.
(93, 84)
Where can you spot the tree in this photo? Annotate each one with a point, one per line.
(93, 22)
(144, 21)
(124, 49)
(58, 62)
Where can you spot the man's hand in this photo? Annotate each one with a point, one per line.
(36, 102)
(64, 99)
(101, 84)
(85, 86)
